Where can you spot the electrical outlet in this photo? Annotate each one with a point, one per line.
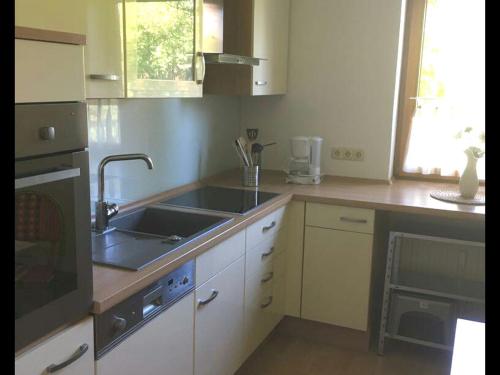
(358, 154)
(347, 153)
(337, 153)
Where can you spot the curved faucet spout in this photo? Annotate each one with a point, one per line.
(120, 157)
(104, 211)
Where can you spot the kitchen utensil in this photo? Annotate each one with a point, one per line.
(252, 134)
(244, 146)
(242, 152)
(238, 151)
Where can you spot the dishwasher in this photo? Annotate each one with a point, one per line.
(150, 332)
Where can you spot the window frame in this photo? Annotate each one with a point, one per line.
(410, 75)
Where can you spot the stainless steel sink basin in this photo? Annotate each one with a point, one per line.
(168, 223)
(145, 235)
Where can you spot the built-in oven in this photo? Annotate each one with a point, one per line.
(53, 257)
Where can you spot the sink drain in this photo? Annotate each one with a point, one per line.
(173, 239)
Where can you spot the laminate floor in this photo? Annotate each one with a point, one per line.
(283, 355)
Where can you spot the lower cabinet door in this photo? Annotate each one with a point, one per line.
(336, 277)
(218, 342)
(70, 343)
(162, 346)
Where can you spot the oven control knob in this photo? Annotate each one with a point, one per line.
(47, 133)
(118, 323)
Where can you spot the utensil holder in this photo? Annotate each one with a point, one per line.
(250, 176)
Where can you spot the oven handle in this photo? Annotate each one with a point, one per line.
(44, 178)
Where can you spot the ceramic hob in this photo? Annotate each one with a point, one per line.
(214, 198)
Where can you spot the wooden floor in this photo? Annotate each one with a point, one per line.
(282, 355)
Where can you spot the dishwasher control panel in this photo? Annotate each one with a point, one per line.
(123, 319)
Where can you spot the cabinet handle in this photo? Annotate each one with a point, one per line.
(351, 220)
(270, 226)
(200, 81)
(105, 77)
(76, 355)
(271, 250)
(269, 301)
(214, 294)
(267, 278)
(260, 83)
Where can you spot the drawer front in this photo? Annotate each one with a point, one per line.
(264, 308)
(340, 217)
(48, 72)
(263, 253)
(265, 227)
(59, 349)
(219, 257)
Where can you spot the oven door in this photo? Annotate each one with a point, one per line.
(53, 257)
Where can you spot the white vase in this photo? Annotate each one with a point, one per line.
(469, 183)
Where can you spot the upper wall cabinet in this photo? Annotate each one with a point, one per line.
(56, 15)
(104, 70)
(257, 28)
(48, 72)
(142, 49)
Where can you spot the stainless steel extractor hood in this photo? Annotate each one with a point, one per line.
(213, 37)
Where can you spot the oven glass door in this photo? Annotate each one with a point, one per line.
(52, 242)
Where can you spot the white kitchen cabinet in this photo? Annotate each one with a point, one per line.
(58, 349)
(294, 257)
(55, 15)
(265, 283)
(270, 42)
(336, 277)
(162, 346)
(218, 338)
(104, 68)
(257, 28)
(48, 72)
(163, 48)
(219, 257)
(144, 49)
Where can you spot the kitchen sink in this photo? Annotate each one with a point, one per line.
(145, 235)
(171, 224)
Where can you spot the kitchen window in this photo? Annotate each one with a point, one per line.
(442, 95)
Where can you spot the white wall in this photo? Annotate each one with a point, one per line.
(342, 85)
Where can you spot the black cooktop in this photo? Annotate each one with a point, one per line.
(221, 199)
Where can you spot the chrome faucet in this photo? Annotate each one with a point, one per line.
(105, 210)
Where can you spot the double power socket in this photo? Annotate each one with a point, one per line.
(347, 153)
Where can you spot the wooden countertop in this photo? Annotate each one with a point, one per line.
(112, 285)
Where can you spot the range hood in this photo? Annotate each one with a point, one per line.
(213, 37)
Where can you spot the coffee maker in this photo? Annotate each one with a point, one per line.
(304, 166)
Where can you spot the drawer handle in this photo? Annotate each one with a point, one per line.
(351, 220)
(269, 301)
(76, 355)
(270, 226)
(271, 250)
(260, 83)
(105, 77)
(267, 278)
(215, 293)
